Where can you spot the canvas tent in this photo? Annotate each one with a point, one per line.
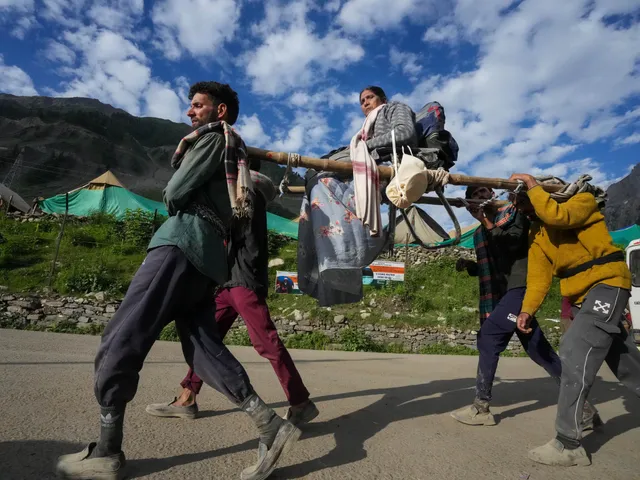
(102, 194)
(17, 202)
(425, 227)
(466, 240)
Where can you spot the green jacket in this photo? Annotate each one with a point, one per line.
(200, 178)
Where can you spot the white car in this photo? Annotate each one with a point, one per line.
(633, 260)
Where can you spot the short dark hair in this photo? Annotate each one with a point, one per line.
(219, 93)
(377, 90)
(471, 189)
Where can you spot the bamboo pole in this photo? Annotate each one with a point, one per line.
(58, 241)
(425, 200)
(385, 172)
(457, 202)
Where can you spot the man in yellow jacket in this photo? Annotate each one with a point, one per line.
(570, 241)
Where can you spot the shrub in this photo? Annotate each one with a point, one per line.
(357, 341)
(445, 349)
(95, 277)
(138, 226)
(277, 241)
(80, 238)
(238, 337)
(169, 333)
(308, 341)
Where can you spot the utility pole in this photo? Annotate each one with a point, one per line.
(14, 170)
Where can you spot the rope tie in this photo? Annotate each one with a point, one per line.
(436, 179)
(293, 161)
(516, 191)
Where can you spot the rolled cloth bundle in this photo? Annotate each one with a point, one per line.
(581, 185)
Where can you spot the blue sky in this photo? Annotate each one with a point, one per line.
(538, 86)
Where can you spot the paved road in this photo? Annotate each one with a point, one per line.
(382, 417)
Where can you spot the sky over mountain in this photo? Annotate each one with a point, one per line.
(542, 86)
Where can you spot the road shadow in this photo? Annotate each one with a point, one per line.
(352, 431)
(33, 459)
(177, 362)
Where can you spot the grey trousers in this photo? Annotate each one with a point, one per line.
(166, 287)
(595, 336)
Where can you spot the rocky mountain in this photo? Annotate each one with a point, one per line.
(623, 203)
(65, 142)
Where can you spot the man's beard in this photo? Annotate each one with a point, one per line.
(208, 120)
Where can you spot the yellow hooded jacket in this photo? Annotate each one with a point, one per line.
(566, 236)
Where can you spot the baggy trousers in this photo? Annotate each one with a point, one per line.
(595, 336)
(234, 301)
(166, 287)
(494, 336)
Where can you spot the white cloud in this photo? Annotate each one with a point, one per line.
(22, 26)
(295, 57)
(17, 6)
(407, 61)
(197, 27)
(278, 15)
(332, 6)
(19, 15)
(118, 15)
(116, 71)
(570, 171)
(324, 98)
(251, 131)
(308, 133)
(353, 123)
(14, 80)
(367, 16)
(58, 52)
(163, 102)
(64, 12)
(447, 33)
(523, 77)
(629, 140)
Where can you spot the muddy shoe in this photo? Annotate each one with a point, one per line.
(473, 416)
(78, 466)
(268, 457)
(554, 453)
(171, 410)
(302, 415)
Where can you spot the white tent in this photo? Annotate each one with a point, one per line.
(17, 201)
(425, 227)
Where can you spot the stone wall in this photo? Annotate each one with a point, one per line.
(418, 255)
(95, 309)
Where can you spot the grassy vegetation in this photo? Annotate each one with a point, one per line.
(102, 254)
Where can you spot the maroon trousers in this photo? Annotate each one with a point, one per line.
(253, 309)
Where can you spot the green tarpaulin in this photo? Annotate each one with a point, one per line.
(282, 225)
(624, 236)
(103, 194)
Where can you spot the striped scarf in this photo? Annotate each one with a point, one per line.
(236, 165)
(492, 281)
(366, 181)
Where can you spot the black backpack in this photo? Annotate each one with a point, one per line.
(430, 122)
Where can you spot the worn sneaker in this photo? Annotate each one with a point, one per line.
(171, 410)
(554, 453)
(78, 466)
(473, 416)
(302, 415)
(268, 458)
